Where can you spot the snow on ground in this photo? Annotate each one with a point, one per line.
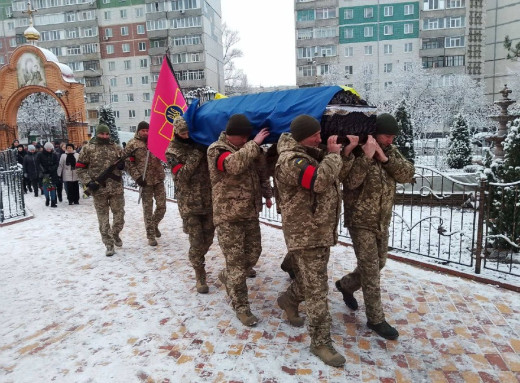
(70, 314)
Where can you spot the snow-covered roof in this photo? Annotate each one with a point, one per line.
(66, 72)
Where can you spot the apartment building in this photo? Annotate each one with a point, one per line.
(374, 38)
(116, 47)
(502, 19)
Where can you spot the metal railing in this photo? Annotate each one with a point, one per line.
(12, 202)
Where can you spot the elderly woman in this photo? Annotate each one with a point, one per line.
(67, 171)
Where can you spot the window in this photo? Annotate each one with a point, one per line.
(124, 31)
(108, 32)
(139, 12)
(368, 69)
(111, 65)
(125, 47)
(388, 84)
(131, 113)
(324, 69)
(388, 30)
(408, 9)
(348, 14)
(70, 17)
(130, 97)
(387, 68)
(110, 49)
(141, 46)
(146, 96)
(128, 64)
(129, 82)
(454, 42)
(456, 22)
(140, 29)
(323, 32)
(143, 63)
(147, 112)
(73, 50)
(348, 33)
(123, 13)
(388, 49)
(113, 81)
(114, 98)
(325, 13)
(388, 11)
(349, 69)
(408, 47)
(433, 4)
(107, 15)
(407, 66)
(368, 31)
(433, 62)
(456, 3)
(368, 50)
(92, 114)
(305, 15)
(454, 60)
(106, 1)
(408, 28)
(144, 80)
(133, 128)
(368, 13)
(349, 51)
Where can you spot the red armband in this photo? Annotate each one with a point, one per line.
(131, 159)
(176, 168)
(220, 161)
(81, 165)
(307, 177)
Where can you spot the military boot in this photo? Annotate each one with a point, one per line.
(247, 318)
(110, 250)
(152, 242)
(384, 329)
(117, 240)
(328, 355)
(157, 232)
(348, 298)
(291, 309)
(200, 276)
(251, 273)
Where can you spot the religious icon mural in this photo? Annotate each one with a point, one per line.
(30, 71)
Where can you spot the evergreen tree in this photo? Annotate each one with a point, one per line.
(404, 140)
(459, 147)
(106, 116)
(504, 207)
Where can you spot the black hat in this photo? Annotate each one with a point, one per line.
(238, 125)
(304, 126)
(386, 124)
(143, 125)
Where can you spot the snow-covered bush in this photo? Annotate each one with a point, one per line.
(404, 140)
(459, 147)
(106, 116)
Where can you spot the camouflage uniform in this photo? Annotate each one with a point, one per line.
(154, 177)
(94, 158)
(193, 190)
(368, 197)
(310, 200)
(237, 200)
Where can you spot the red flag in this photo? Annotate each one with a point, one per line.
(168, 103)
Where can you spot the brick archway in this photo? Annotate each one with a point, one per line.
(32, 70)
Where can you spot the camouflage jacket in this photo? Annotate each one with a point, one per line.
(369, 189)
(138, 149)
(235, 181)
(94, 159)
(191, 176)
(309, 194)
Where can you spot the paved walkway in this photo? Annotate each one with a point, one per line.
(70, 314)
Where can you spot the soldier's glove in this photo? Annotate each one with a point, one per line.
(121, 165)
(93, 186)
(140, 182)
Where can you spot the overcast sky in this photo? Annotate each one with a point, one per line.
(266, 30)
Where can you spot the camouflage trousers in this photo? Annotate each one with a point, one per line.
(371, 250)
(153, 218)
(106, 200)
(201, 231)
(311, 286)
(241, 244)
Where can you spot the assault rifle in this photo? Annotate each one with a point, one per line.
(102, 178)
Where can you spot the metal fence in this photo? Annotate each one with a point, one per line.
(12, 203)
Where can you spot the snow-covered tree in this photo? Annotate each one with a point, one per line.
(235, 79)
(504, 208)
(404, 140)
(106, 116)
(459, 147)
(40, 114)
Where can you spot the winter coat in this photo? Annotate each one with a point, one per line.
(30, 166)
(369, 189)
(20, 156)
(48, 165)
(235, 181)
(65, 171)
(136, 161)
(309, 194)
(191, 176)
(95, 157)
